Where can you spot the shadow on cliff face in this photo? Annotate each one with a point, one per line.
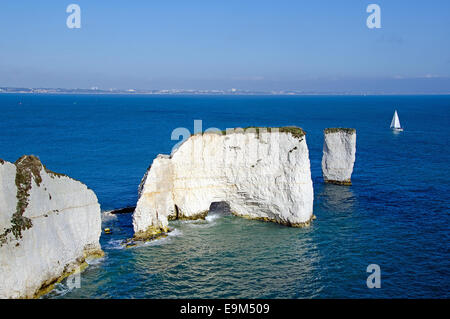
(222, 208)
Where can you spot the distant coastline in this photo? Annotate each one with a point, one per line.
(15, 90)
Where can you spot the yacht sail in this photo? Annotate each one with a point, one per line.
(395, 123)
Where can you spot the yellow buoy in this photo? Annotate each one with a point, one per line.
(107, 231)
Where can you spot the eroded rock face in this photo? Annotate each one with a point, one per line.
(49, 225)
(339, 149)
(260, 175)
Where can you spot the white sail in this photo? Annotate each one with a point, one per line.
(395, 123)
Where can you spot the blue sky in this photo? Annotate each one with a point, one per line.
(321, 45)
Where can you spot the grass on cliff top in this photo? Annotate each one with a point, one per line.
(295, 131)
(340, 129)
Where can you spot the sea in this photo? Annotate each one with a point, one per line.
(394, 216)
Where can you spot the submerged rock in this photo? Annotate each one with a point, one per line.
(49, 224)
(260, 173)
(339, 149)
(125, 210)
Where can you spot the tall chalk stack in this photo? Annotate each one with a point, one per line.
(339, 149)
(49, 226)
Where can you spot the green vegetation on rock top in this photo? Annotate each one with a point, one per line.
(28, 167)
(296, 132)
(340, 129)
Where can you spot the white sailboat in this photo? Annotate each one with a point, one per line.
(395, 123)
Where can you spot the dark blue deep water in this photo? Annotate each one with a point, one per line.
(395, 215)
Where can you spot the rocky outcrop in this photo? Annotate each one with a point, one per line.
(49, 225)
(339, 149)
(261, 173)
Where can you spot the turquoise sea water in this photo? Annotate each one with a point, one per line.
(395, 215)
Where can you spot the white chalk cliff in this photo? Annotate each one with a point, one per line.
(339, 149)
(49, 225)
(261, 173)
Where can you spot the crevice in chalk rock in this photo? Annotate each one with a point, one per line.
(220, 208)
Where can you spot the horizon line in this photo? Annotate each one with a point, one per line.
(172, 91)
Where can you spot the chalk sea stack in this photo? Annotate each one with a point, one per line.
(49, 226)
(260, 173)
(339, 149)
